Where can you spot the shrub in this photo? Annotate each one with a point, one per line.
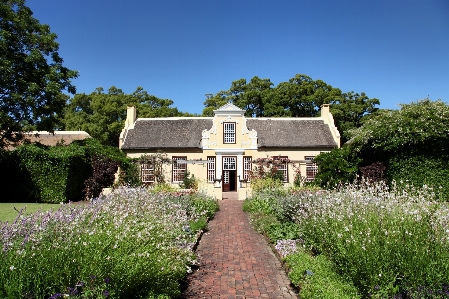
(189, 181)
(384, 241)
(103, 175)
(322, 280)
(131, 244)
(57, 174)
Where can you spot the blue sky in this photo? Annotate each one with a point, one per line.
(393, 50)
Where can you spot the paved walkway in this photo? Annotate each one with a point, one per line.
(235, 261)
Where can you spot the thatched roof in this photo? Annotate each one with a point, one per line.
(288, 132)
(166, 133)
(186, 133)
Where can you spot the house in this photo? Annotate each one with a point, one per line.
(221, 151)
(57, 137)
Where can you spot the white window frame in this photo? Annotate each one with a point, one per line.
(311, 169)
(229, 133)
(229, 163)
(284, 168)
(211, 167)
(178, 170)
(147, 173)
(247, 167)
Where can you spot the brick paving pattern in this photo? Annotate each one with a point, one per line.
(235, 261)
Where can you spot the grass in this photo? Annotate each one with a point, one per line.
(9, 211)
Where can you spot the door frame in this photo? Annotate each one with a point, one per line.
(229, 174)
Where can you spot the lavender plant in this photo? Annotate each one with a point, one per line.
(134, 239)
(388, 241)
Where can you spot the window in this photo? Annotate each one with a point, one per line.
(228, 132)
(247, 167)
(147, 173)
(311, 169)
(281, 164)
(178, 169)
(229, 163)
(210, 169)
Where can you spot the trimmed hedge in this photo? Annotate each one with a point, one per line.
(36, 173)
(419, 170)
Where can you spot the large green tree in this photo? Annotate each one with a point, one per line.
(412, 143)
(103, 115)
(301, 96)
(31, 73)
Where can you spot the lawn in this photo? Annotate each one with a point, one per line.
(9, 211)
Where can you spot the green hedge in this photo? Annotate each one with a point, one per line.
(34, 173)
(419, 170)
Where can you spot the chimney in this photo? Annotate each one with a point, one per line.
(130, 116)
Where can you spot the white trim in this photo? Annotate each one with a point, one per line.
(229, 151)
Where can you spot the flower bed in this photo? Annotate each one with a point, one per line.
(132, 243)
(385, 243)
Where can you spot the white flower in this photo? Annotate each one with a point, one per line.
(12, 268)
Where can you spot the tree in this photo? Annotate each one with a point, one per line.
(411, 143)
(31, 74)
(350, 110)
(301, 96)
(103, 115)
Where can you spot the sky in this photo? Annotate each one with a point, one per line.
(394, 50)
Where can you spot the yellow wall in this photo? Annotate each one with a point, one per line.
(246, 145)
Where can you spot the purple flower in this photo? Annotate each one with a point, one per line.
(56, 296)
(107, 280)
(106, 293)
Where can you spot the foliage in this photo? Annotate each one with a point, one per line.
(374, 172)
(267, 173)
(417, 170)
(351, 110)
(415, 128)
(189, 181)
(387, 242)
(131, 244)
(54, 174)
(299, 97)
(31, 74)
(39, 174)
(156, 160)
(412, 144)
(103, 115)
(198, 225)
(260, 184)
(103, 175)
(324, 282)
(336, 167)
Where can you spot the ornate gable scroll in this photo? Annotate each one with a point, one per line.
(229, 113)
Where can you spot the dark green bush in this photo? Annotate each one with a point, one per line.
(430, 170)
(36, 173)
(336, 167)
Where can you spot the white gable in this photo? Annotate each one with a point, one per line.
(229, 109)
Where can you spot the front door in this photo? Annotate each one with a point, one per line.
(229, 174)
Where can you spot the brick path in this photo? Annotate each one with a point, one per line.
(235, 261)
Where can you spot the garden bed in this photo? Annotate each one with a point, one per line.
(367, 241)
(130, 244)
